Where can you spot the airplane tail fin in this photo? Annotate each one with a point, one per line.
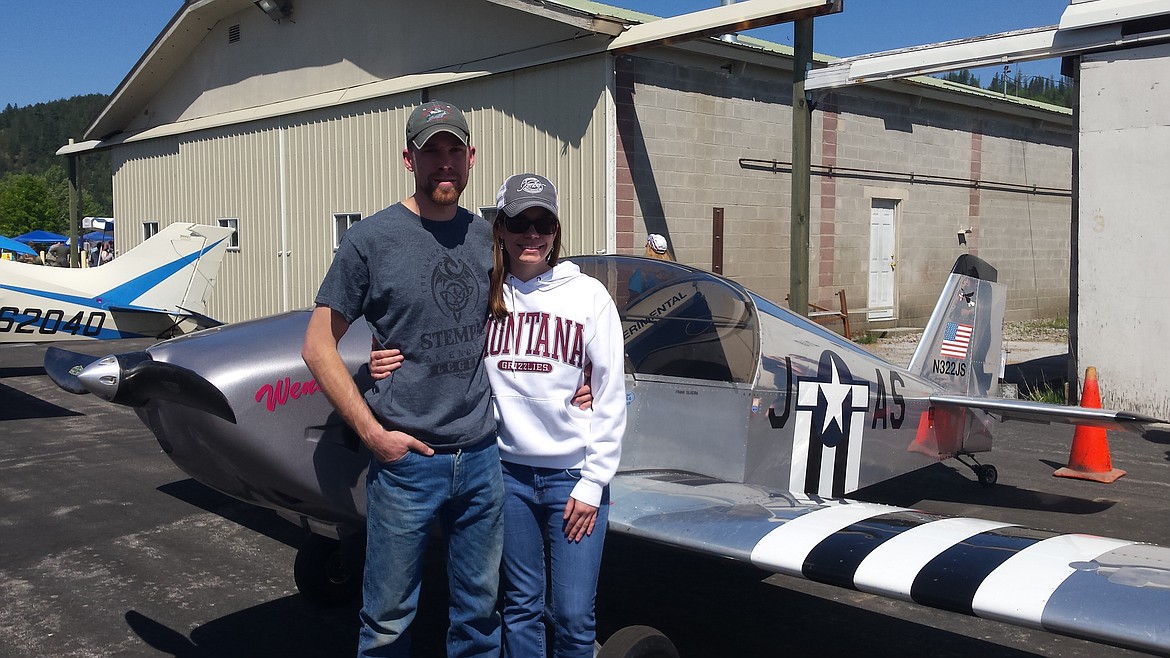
(962, 344)
(174, 271)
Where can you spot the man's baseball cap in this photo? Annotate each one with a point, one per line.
(524, 191)
(434, 117)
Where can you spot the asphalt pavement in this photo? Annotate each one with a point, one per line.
(107, 549)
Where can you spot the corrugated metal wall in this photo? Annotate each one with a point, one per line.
(284, 179)
(202, 178)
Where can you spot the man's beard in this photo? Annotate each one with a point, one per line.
(445, 196)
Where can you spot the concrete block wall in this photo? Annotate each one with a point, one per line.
(688, 125)
(1123, 309)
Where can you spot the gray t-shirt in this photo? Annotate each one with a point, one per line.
(423, 288)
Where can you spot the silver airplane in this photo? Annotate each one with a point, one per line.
(748, 427)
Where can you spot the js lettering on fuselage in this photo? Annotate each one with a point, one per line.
(889, 406)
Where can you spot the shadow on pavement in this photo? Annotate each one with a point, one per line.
(18, 405)
(1047, 372)
(256, 519)
(22, 371)
(284, 627)
(941, 482)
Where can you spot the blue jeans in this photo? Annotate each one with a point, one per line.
(534, 503)
(464, 492)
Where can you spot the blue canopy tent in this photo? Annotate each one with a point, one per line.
(8, 244)
(40, 236)
(98, 236)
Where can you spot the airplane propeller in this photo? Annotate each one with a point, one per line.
(133, 379)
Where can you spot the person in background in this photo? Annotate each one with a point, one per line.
(656, 247)
(548, 324)
(59, 255)
(647, 278)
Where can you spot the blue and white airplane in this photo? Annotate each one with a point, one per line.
(146, 292)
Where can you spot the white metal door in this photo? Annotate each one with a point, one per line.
(881, 259)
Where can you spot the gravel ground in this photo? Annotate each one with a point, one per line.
(1024, 341)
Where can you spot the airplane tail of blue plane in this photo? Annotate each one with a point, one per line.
(962, 345)
(146, 291)
(174, 271)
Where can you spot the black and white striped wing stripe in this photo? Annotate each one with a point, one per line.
(1098, 588)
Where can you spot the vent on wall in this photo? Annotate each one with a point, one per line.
(233, 33)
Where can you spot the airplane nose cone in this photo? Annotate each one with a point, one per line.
(102, 377)
(135, 379)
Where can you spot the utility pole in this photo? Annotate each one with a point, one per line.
(801, 167)
(74, 239)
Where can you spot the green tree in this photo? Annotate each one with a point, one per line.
(30, 137)
(28, 202)
(39, 201)
(1034, 87)
(963, 77)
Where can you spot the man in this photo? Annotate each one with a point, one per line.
(418, 273)
(59, 255)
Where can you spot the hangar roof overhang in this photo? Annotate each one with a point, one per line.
(626, 32)
(1085, 27)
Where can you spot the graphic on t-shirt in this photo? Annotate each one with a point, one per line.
(454, 287)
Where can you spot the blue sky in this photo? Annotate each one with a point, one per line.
(52, 50)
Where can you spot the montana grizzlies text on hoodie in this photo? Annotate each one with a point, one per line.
(558, 323)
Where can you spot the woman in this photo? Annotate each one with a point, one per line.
(547, 323)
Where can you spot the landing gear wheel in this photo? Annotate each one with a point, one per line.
(328, 572)
(987, 474)
(638, 642)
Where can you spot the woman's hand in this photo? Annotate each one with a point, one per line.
(383, 362)
(579, 519)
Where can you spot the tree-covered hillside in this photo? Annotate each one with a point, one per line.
(34, 187)
(1032, 87)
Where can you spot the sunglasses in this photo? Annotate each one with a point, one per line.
(546, 225)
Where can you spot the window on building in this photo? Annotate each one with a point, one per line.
(234, 224)
(149, 229)
(488, 213)
(341, 223)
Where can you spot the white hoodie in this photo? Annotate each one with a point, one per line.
(535, 357)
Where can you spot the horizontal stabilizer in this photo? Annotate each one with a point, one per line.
(993, 570)
(1040, 412)
(201, 320)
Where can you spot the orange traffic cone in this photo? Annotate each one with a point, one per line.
(939, 433)
(924, 441)
(1089, 458)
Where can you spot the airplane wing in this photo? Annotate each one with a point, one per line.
(1039, 412)
(1096, 588)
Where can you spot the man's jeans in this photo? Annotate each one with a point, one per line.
(534, 502)
(464, 491)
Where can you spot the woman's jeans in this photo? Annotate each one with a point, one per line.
(534, 539)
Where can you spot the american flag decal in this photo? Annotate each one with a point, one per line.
(956, 339)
